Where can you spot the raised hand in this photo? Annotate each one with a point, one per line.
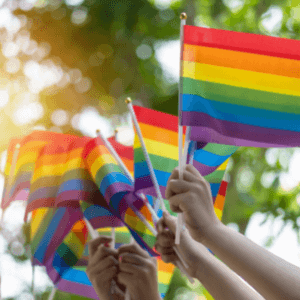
(102, 267)
(138, 272)
(192, 197)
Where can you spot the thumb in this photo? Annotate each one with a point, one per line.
(169, 221)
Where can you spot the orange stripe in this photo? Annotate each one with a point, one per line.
(159, 134)
(128, 163)
(242, 60)
(96, 153)
(162, 266)
(219, 202)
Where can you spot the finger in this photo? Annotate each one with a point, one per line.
(177, 202)
(134, 259)
(133, 248)
(101, 253)
(94, 244)
(176, 186)
(104, 264)
(165, 239)
(169, 221)
(193, 170)
(129, 268)
(164, 250)
(125, 278)
(169, 258)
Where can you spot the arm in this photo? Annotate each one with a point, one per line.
(102, 268)
(138, 272)
(221, 282)
(270, 275)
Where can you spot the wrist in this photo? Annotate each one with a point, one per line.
(210, 237)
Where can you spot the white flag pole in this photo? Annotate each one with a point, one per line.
(180, 263)
(149, 164)
(183, 18)
(52, 294)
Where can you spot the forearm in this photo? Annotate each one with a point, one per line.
(273, 277)
(221, 282)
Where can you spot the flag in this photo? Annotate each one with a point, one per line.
(160, 135)
(118, 191)
(240, 89)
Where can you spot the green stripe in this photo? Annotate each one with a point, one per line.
(158, 162)
(42, 228)
(219, 149)
(104, 170)
(67, 254)
(241, 96)
(215, 177)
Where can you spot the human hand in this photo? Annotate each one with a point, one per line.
(102, 267)
(192, 197)
(138, 272)
(188, 247)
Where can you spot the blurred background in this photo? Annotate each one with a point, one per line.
(67, 66)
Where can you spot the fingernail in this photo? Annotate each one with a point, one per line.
(120, 258)
(107, 244)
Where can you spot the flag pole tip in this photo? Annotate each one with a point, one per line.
(128, 100)
(97, 131)
(183, 16)
(116, 131)
(18, 146)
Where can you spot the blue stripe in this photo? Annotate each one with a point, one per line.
(214, 188)
(208, 158)
(242, 114)
(141, 170)
(95, 211)
(77, 185)
(112, 178)
(47, 237)
(77, 276)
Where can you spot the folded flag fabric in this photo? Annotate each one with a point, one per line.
(118, 192)
(49, 227)
(240, 89)
(160, 135)
(50, 169)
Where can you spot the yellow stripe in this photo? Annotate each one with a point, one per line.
(158, 148)
(242, 78)
(100, 162)
(74, 243)
(136, 224)
(218, 213)
(59, 169)
(223, 166)
(164, 277)
(37, 220)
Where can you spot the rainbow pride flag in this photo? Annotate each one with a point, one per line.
(49, 227)
(240, 89)
(73, 280)
(118, 191)
(160, 135)
(50, 170)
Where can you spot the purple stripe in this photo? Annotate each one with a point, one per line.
(106, 221)
(8, 199)
(71, 216)
(45, 192)
(77, 289)
(73, 196)
(212, 130)
(147, 189)
(204, 169)
(115, 188)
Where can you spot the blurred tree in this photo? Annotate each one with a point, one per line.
(104, 51)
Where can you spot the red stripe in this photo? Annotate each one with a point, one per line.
(156, 118)
(122, 150)
(245, 42)
(223, 188)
